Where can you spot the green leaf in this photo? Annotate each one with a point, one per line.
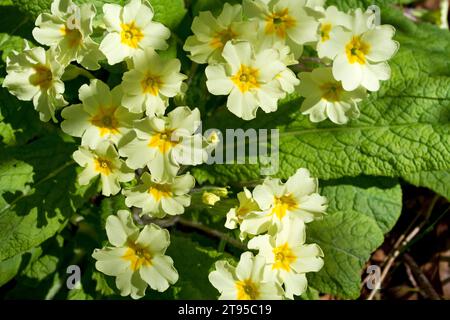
(347, 240)
(33, 7)
(215, 6)
(37, 214)
(353, 4)
(20, 120)
(15, 175)
(193, 263)
(169, 12)
(9, 43)
(438, 181)
(378, 198)
(79, 294)
(9, 268)
(42, 268)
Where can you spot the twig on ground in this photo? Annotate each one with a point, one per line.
(421, 278)
(170, 222)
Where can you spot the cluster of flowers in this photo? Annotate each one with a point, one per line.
(274, 217)
(122, 130)
(249, 48)
(126, 130)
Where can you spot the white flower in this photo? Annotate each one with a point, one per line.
(163, 143)
(360, 54)
(137, 258)
(331, 19)
(158, 198)
(325, 97)
(288, 258)
(35, 74)
(211, 34)
(151, 82)
(100, 117)
(283, 20)
(297, 198)
(130, 29)
(286, 78)
(248, 79)
(245, 282)
(69, 29)
(246, 205)
(103, 161)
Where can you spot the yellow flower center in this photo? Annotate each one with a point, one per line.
(243, 211)
(131, 35)
(357, 50)
(283, 204)
(163, 141)
(246, 78)
(159, 191)
(151, 84)
(73, 36)
(222, 37)
(331, 91)
(103, 166)
(279, 22)
(284, 257)
(246, 290)
(325, 31)
(106, 121)
(42, 77)
(138, 257)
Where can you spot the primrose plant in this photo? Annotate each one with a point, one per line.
(138, 140)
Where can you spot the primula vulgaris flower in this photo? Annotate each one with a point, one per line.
(286, 78)
(331, 19)
(35, 74)
(151, 82)
(245, 282)
(103, 161)
(137, 258)
(68, 28)
(246, 205)
(100, 117)
(130, 29)
(296, 199)
(360, 54)
(212, 34)
(249, 79)
(325, 97)
(163, 143)
(283, 20)
(288, 258)
(158, 198)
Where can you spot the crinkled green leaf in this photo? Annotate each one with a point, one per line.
(378, 198)
(15, 175)
(31, 217)
(20, 120)
(9, 268)
(9, 43)
(169, 12)
(193, 263)
(438, 181)
(347, 240)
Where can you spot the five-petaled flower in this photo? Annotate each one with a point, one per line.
(103, 161)
(137, 258)
(288, 258)
(100, 117)
(130, 29)
(245, 281)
